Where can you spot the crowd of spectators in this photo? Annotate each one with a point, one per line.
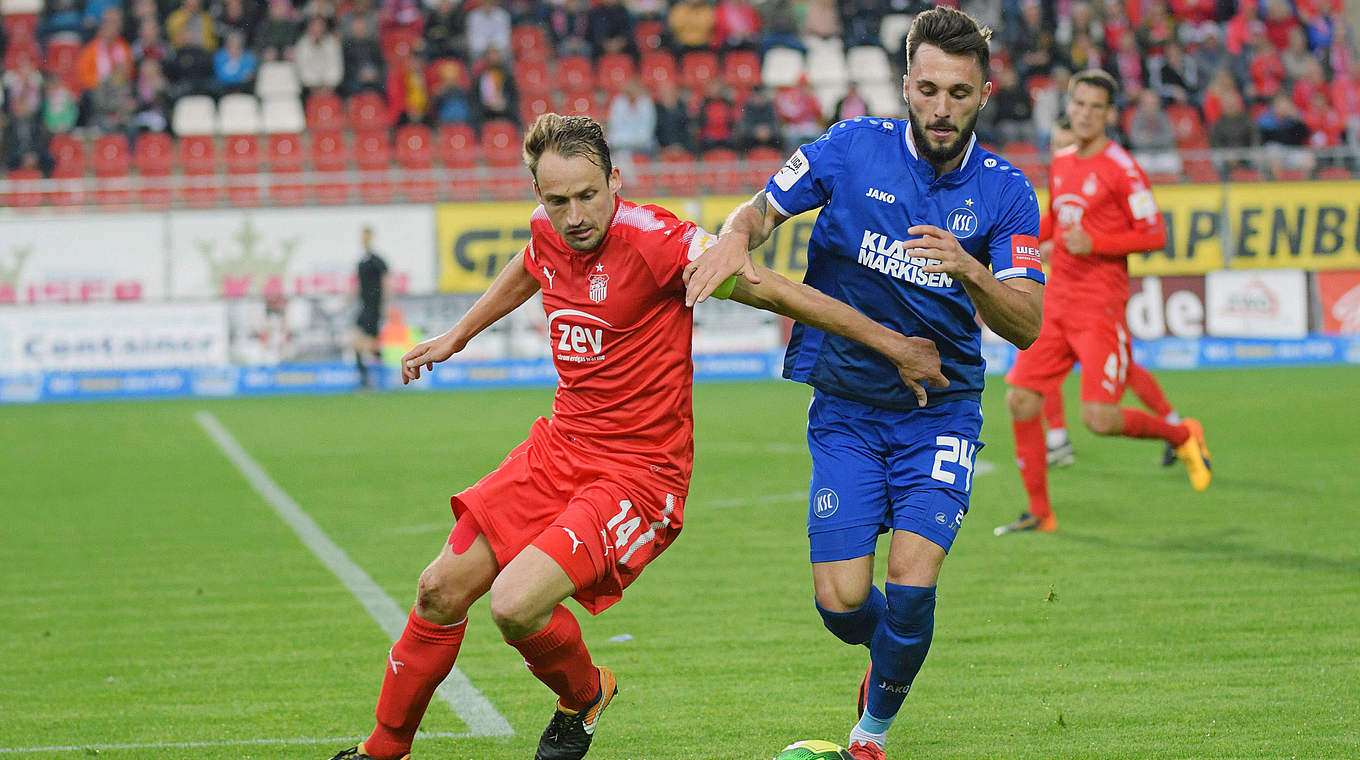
(1225, 73)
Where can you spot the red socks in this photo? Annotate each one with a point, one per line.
(1032, 456)
(557, 656)
(1143, 425)
(1053, 410)
(416, 665)
(1145, 387)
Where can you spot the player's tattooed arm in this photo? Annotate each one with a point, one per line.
(747, 228)
(512, 287)
(1013, 309)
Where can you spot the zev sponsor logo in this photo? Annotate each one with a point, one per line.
(577, 342)
(879, 251)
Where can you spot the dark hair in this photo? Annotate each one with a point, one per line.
(952, 31)
(1096, 78)
(567, 136)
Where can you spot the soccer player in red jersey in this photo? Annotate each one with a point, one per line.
(597, 491)
(1143, 384)
(1101, 209)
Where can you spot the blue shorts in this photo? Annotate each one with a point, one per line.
(875, 470)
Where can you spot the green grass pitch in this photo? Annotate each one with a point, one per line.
(151, 598)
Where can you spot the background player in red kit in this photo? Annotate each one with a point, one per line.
(1101, 209)
(1142, 382)
(598, 490)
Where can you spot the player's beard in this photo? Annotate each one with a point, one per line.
(947, 152)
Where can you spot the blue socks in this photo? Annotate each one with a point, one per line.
(856, 626)
(897, 649)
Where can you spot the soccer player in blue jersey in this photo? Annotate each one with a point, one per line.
(921, 229)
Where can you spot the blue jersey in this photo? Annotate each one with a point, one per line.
(873, 187)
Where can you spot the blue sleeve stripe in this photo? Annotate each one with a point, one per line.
(770, 197)
(1013, 272)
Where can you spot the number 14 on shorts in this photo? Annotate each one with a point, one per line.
(958, 454)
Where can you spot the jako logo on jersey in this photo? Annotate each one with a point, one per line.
(962, 222)
(878, 251)
(879, 195)
(577, 343)
(825, 503)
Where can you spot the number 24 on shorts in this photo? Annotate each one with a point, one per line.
(957, 452)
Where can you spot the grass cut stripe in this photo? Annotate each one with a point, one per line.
(470, 705)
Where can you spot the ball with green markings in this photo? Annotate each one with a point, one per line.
(813, 749)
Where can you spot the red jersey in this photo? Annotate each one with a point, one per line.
(1109, 197)
(620, 333)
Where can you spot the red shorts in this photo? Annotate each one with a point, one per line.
(601, 520)
(1099, 340)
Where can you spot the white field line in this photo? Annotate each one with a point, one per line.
(467, 702)
(223, 743)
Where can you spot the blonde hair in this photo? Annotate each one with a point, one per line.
(567, 136)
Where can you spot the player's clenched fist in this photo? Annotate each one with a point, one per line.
(918, 362)
(427, 354)
(950, 258)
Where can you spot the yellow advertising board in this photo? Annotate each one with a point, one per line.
(1295, 225)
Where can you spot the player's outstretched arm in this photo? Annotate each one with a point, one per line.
(917, 359)
(513, 286)
(747, 227)
(1014, 309)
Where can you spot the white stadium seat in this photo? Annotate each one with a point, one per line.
(828, 95)
(782, 67)
(883, 99)
(283, 115)
(17, 7)
(868, 64)
(893, 30)
(277, 79)
(238, 114)
(194, 115)
(826, 65)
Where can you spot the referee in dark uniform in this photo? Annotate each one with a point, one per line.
(372, 286)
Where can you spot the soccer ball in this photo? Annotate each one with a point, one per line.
(813, 749)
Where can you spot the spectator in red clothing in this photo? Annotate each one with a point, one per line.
(1196, 16)
(717, 117)
(800, 113)
(104, 54)
(1127, 62)
(1279, 21)
(1157, 29)
(1326, 124)
(1310, 83)
(1345, 98)
(1221, 89)
(408, 95)
(401, 14)
(736, 25)
(149, 43)
(852, 105)
(1265, 71)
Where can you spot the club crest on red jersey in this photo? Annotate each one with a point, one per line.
(599, 284)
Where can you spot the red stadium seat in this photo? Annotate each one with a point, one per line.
(501, 143)
(1291, 175)
(677, 175)
(241, 154)
(456, 146)
(1246, 174)
(285, 163)
(60, 59)
(198, 159)
(367, 110)
(575, 74)
(154, 155)
(533, 79)
(528, 41)
(1200, 170)
(649, 35)
(67, 152)
(761, 163)
(68, 195)
(325, 113)
(112, 160)
(697, 67)
(721, 172)
(1164, 178)
(23, 198)
(328, 151)
(586, 104)
(640, 182)
(658, 67)
(531, 107)
(1334, 173)
(21, 26)
(373, 153)
(22, 49)
(741, 70)
(1188, 126)
(398, 42)
(614, 71)
(415, 152)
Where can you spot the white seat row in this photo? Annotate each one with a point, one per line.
(237, 114)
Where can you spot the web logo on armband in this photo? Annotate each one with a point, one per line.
(1025, 252)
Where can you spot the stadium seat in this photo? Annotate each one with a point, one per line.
(761, 163)
(1290, 175)
(70, 193)
(329, 151)
(399, 42)
(373, 155)
(1200, 170)
(285, 164)
(575, 74)
(1165, 178)
(826, 64)
(868, 64)
(677, 176)
(640, 180)
(501, 143)
(198, 160)
(782, 67)
(153, 156)
(650, 35)
(892, 29)
(614, 71)
(528, 42)
(112, 160)
(1246, 174)
(325, 112)
(282, 115)
(415, 153)
(741, 70)
(657, 67)
(721, 171)
(532, 79)
(1189, 128)
(238, 114)
(531, 107)
(1334, 173)
(19, 24)
(22, 50)
(883, 99)
(586, 104)
(60, 58)
(67, 152)
(277, 79)
(697, 67)
(241, 154)
(22, 197)
(194, 115)
(828, 95)
(367, 110)
(456, 146)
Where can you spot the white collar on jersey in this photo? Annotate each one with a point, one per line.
(911, 146)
